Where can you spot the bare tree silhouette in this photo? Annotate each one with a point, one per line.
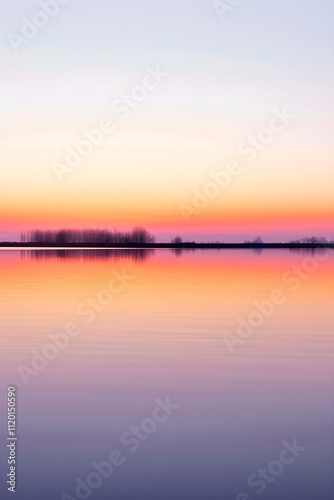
(258, 240)
(138, 235)
(312, 240)
(177, 240)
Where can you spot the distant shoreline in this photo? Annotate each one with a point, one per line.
(180, 246)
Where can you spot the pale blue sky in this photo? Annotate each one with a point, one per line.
(225, 78)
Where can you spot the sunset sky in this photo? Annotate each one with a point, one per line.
(225, 79)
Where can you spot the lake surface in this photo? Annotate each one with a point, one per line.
(139, 327)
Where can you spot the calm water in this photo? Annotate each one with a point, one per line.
(162, 331)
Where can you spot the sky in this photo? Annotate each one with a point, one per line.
(187, 93)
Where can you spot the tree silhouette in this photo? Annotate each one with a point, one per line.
(177, 240)
(257, 240)
(137, 235)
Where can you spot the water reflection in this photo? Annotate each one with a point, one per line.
(179, 251)
(313, 251)
(137, 255)
(162, 336)
(257, 250)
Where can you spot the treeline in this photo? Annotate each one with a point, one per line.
(313, 240)
(138, 235)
